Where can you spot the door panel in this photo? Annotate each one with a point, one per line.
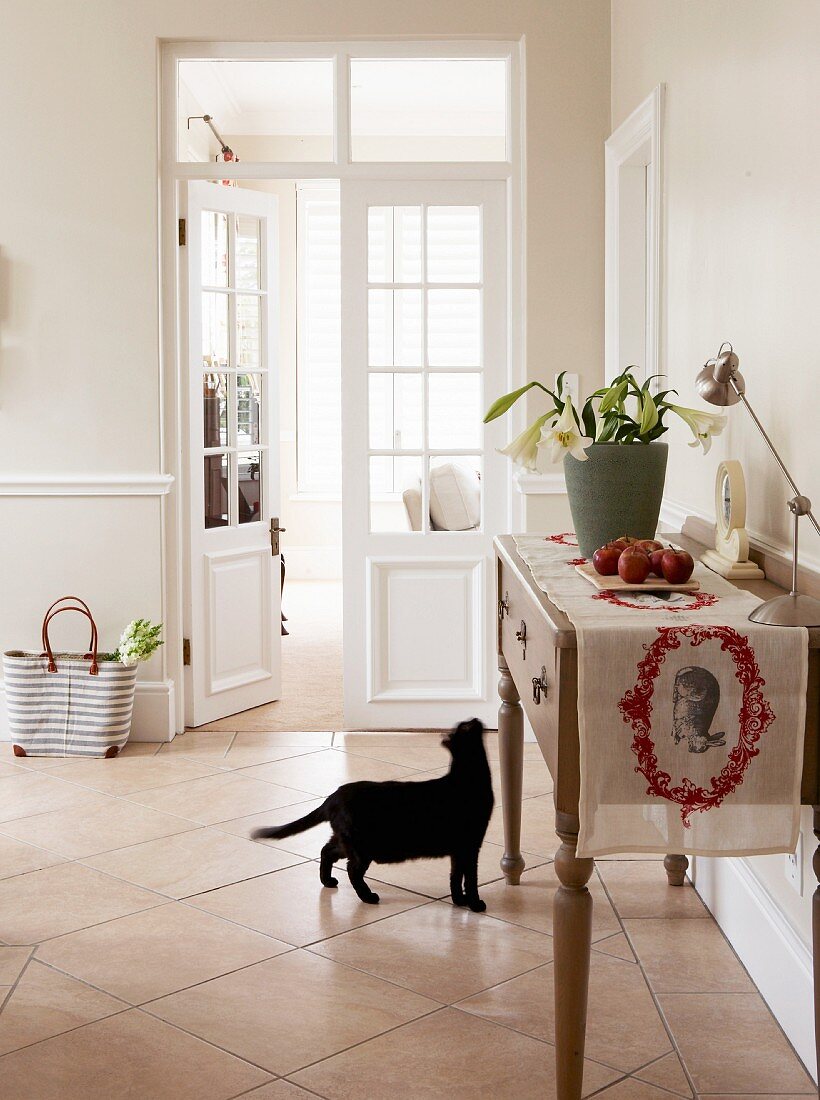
(424, 350)
(232, 599)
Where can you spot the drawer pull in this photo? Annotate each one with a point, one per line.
(521, 635)
(504, 606)
(539, 685)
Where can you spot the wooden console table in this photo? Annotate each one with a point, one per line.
(533, 635)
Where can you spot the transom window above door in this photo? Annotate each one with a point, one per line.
(234, 367)
(399, 109)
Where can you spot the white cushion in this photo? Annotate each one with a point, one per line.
(455, 497)
(412, 504)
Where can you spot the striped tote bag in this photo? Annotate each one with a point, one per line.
(68, 704)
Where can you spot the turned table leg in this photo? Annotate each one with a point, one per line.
(676, 868)
(511, 757)
(815, 924)
(572, 935)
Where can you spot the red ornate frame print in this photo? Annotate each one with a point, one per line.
(754, 718)
(699, 600)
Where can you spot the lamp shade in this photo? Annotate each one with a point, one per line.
(713, 381)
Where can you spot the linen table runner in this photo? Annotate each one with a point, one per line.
(691, 718)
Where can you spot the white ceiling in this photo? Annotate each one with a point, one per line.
(407, 97)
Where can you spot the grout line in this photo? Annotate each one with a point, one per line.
(362, 1042)
(652, 994)
(16, 981)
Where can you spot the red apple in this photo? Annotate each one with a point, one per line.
(655, 561)
(605, 560)
(677, 566)
(619, 544)
(627, 540)
(633, 565)
(650, 545)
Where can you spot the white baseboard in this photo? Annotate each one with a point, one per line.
(779, 963)
(154, 712)
(153, 718)
(313, 563)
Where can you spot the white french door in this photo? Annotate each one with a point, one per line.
(232, 598)
(424, 351)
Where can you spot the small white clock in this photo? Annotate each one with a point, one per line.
(730, 557)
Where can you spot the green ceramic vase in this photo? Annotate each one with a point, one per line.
(617, 491)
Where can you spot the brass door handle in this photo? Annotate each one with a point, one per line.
(275, 532)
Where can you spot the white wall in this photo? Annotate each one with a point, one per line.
(79, 286)
(741, 245)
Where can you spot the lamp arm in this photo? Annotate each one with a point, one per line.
(771, 447)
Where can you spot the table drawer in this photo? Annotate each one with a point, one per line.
(524, 642)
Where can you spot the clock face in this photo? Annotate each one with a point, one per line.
(730, 498)
(726, 498)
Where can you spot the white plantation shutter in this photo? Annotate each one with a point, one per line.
(319, 358)
(396, 415)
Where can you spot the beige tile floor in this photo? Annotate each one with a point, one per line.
(149, 949)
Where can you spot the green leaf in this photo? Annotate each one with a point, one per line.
(613, 396)
(649, 414)
(559, 383)
(503, 404)
(608, 429)
(588, 416)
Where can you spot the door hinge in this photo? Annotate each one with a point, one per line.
(186, 651)
(275, 531)
(183, 235)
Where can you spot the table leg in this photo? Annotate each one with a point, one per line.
(815, 923)
(572, 935)
(511, 757)
(676, 868)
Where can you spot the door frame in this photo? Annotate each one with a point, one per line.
(637, 144)
(172, 261)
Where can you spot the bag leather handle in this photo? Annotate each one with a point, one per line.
(83, 610)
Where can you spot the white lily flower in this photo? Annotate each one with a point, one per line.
(523, 450)
(564, 437)
(704, 425)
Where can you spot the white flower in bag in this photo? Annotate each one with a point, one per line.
(139, 640)
(564, 437)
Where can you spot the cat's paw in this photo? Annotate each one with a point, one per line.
(330, 883)
(478, 906)
(371, 899)
(458, 899)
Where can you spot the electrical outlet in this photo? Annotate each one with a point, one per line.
(572, 385)
(794, 867)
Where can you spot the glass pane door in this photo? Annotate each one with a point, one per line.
(425, 393)
(234, 370)
(424, 342)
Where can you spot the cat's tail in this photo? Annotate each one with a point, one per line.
(315, 817)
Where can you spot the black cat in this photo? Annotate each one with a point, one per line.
(392, 822)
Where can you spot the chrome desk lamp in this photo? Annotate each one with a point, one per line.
(721, 383)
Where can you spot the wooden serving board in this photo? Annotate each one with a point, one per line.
(616, 584)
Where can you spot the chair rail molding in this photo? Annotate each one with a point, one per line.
(774, 558)
(531, 484)
(85, 485)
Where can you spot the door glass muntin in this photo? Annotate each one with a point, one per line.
(234, 369)
(425, 320)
